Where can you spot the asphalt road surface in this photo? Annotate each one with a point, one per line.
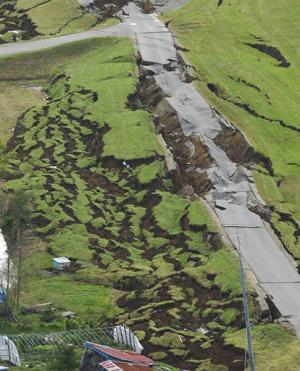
(233, 186)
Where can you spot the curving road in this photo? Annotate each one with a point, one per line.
(233, 186)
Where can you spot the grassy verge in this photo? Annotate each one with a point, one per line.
(252, 78)
(140, 253)
(274, 347)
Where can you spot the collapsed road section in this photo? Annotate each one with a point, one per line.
(232, 195)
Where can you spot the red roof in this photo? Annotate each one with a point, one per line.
(122, 355)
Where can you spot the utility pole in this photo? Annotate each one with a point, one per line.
(246, 312)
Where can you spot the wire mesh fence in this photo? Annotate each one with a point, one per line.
(36, 342)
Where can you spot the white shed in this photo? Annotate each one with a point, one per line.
(61, 263)
(9, 352)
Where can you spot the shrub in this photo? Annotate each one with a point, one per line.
(64, 359)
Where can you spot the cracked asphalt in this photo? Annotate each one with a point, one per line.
(233, 185)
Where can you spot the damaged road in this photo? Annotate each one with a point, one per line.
(232, 194)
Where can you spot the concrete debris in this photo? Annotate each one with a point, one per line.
(68, 314)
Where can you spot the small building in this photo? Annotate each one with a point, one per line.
(61, 263)
(9, 352)
(102, 358)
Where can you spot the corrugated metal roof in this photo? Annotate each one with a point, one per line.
(120, 355)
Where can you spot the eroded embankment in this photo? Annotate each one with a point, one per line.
(130, 237)
(191, 153)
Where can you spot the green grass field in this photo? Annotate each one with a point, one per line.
(257, 94)
(20, 98)
(51, 19)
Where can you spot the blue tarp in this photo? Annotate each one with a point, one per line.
(2, 296)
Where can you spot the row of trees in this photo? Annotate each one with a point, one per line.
(15, 216)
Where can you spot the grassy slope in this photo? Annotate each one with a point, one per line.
(275, 348)
(216, 37)
(135, 257)
(19, 98)
(51, 19)
(40, 19)
(18, 91)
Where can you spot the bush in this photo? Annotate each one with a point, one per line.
(64, 359)
(48, 315)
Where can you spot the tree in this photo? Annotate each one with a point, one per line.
(15, 215)
(20, 211)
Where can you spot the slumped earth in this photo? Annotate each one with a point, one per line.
(140, 253)
(27, 19)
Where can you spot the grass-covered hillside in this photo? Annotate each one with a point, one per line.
(140, 253)
(26, 19)
(247, 59)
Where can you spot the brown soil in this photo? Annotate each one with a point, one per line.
(99, 180)
(234, 144)
(219, 353)
(238, 149)
(191, 155)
